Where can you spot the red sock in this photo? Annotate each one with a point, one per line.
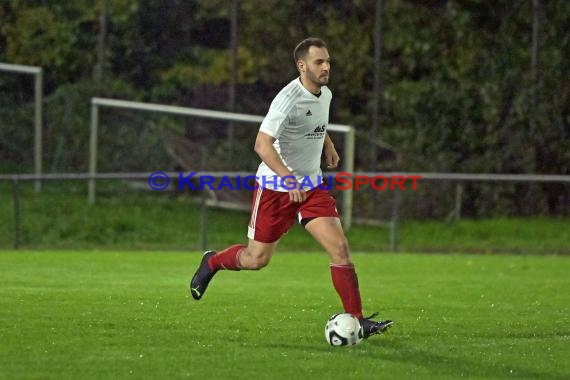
(346, 284)
(227, 259)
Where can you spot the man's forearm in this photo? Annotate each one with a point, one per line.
(328, 141)
(271, 158)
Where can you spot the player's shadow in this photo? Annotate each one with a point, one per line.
(397, 351)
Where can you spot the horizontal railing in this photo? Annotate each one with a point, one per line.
(459, 177)
(424, 176)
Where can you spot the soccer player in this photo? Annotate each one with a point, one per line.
(290, 143)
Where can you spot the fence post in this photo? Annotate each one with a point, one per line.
(93, 151)
(458, 200)
(203, 202)
(203, 220)
(16, 215)
(38, 95)
(347, 195)
(394, 222)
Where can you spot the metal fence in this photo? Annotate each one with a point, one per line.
(458, 178)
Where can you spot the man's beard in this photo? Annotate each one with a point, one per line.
(319, 80)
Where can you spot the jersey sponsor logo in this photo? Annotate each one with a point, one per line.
(318, 133)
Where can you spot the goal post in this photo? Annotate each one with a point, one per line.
(37, 72)
(97, 103)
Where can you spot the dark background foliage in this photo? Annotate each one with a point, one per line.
(458, 92)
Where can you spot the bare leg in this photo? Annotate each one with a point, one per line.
(257, 255)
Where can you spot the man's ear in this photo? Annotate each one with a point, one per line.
(301, 65)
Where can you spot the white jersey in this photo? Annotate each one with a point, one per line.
(298, 120)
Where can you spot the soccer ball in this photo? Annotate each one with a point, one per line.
(343, 330)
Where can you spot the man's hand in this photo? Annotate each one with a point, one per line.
(295, 194)
(331, 156)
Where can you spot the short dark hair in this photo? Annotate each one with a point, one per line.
(303, 48)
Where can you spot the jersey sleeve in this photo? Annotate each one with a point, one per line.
(273, 123)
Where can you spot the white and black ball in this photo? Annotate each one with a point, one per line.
(343, 330)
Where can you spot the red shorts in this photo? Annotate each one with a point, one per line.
(272, 213)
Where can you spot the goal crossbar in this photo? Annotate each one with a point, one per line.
(96, 103)
(37, 72)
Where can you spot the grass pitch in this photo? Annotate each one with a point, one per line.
(92, 315)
